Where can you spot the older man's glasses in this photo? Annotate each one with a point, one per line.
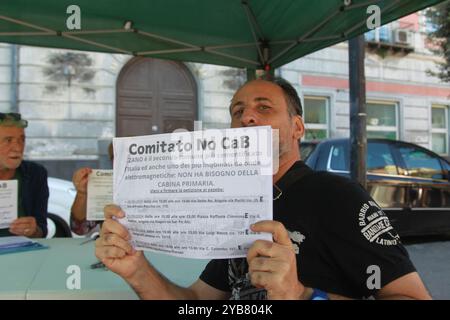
(14, 119)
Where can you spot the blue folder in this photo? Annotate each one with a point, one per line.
(18, 244)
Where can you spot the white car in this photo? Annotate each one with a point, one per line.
(62, 194)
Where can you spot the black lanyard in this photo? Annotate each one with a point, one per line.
(290, 177)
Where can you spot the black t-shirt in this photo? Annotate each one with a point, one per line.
(342, 238)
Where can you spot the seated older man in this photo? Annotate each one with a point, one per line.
(32, 179)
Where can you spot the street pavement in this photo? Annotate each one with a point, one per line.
(431, 257)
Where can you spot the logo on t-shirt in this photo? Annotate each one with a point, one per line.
(375, 225)
(239, 281)
(297, 238)
(238, 276)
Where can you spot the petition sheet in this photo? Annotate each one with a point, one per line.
(99, 193)
(8, 202)
(195, 194)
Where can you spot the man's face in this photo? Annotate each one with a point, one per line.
(12, 145)
(260, 103)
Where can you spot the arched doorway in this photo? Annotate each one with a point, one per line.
(154, 96)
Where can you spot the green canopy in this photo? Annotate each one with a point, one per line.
(240, 33)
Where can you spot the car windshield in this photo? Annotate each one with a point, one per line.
(421, 164)
(379, 159)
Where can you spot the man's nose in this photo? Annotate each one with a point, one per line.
(249, 118)
(18, 146)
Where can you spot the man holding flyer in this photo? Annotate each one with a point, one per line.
(323, 243)
(30, 197)
(79, 222)
(195, 194)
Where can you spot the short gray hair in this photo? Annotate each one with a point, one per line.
(293, 101)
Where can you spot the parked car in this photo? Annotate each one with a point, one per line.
(409, 182)
(62, 194)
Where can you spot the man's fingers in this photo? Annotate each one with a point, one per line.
(262, 264)
(109, 252)
(22, 223)
(259, 279)
(84, 175)
(111, 210)
(80, 178)
(110, 239)
(111, 226)
(15, 231)
(260, 248)
(26, 231)
(277, 229)
(262, 279)
(24, 220)
(15, 224)
(16, 228)
(83, 181)
(83, 172)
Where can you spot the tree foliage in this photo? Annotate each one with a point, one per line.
(439, 16)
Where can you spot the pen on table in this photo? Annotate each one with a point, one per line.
(90, 239)
(98, 265)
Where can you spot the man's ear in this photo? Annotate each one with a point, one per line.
(299, 127)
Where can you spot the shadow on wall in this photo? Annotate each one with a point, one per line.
(64, 169)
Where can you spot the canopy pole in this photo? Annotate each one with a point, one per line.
(269, 72)
(251, 74)
(266, 73)
(14, 78)
(358, 115)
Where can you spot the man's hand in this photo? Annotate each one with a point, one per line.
(273, 265)
(80, 179)
(113, 248)
(25, 226)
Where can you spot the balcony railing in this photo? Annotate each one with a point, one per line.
(394, 37)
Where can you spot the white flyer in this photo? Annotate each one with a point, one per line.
(8, 202)
(99, 193)
(195, 194)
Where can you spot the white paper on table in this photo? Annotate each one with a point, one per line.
(195, 194)
(8, 202)
(99, 193)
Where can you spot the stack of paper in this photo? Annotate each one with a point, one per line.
(18, 244)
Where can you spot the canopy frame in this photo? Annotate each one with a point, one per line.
(264, 58)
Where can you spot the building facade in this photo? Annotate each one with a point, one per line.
(77, 101)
